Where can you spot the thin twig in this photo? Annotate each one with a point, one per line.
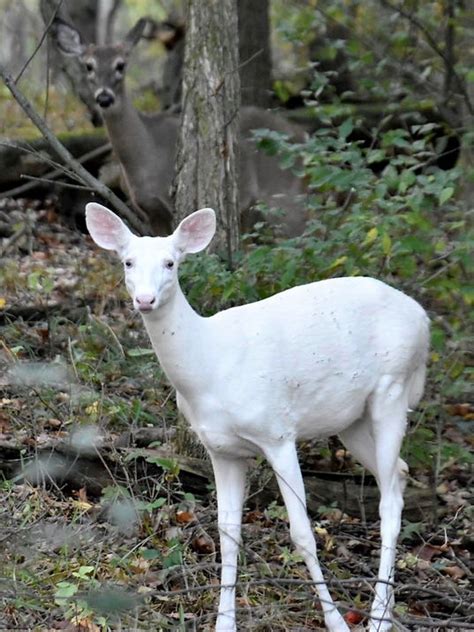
(442, 624)
(66, 185)
(414, 588)
(40, 43)
(29, 149)
(418, 621)
(106, 326)
(56, 173)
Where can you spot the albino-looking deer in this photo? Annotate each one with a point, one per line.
(145, 144)
(343, 356)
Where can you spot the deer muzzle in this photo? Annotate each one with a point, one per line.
(145, 302)
(104, 98)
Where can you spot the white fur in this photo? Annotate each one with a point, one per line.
(343, 356)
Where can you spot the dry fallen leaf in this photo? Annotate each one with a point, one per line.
(139, 565)
(455, 572)
(184, 517)
(427, 551)
(203, 544)
(253, 516)
(353, 617)
(242, 602)
(53, 423)
(5, 426)
(82, 501)
(465, 410)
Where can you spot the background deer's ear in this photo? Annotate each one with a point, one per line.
(195, 231)
(170, 32)
(68, 38)
(106, 229)
(135, 34)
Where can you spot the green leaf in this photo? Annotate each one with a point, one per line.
(228, 292)
(156, 504)
(84, 572)
(386, 244)
(338, 262)
(375, 155)
(170, 465)
(346, 129)
(138, 352)
(407, 179)
(371, 236)
(445, 194)
(174, 557)
(150, 554)
(64, 590)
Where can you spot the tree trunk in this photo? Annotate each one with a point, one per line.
(206, 164)
(255, 53)
(449, 49)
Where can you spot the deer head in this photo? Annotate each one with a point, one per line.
(105, 66)
(150, 263)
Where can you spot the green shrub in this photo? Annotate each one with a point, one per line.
(403, 223)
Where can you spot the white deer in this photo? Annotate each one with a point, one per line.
(343, 356)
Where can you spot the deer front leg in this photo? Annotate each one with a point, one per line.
(284, 461)
(230, 486)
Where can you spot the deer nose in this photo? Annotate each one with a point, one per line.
(145, 302)
(104, 98)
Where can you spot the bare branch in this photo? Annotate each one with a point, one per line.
(67, 185)
(40, 42)
(28, 149)
(56, 173)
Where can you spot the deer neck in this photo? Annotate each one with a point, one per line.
(129, 137)
(180, 340)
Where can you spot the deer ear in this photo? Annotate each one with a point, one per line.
(106, 229)
(135, 34)
(68, 38)
(195, 231)
(169, 32)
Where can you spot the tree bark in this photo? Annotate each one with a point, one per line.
(255, 53)
(206, 163)
(449, 47)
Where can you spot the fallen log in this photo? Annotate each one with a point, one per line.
(58, 462)
(35, 158)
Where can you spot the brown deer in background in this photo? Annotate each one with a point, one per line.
(145, 144)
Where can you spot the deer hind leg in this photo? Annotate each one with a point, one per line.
(376, 441)
(284, 461)
(360, 442)
(230, 486)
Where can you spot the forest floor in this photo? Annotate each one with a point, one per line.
(107, 506)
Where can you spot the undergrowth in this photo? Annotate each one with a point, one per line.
(403, 223)
(141, 551)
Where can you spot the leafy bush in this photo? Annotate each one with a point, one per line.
(401, 222)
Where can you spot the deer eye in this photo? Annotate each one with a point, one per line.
(90, 67)
(120, 66)
(128, 263)
(169, 264)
